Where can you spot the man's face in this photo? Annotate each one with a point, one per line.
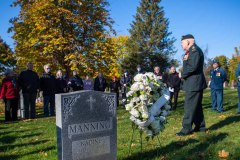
(215, 65)
(75, 73)
(184, 44)
(100, 74)
(30, 66)
(173, 69)
(156, 69)
(47, 69)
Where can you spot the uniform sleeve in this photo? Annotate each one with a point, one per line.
(224, 75)
(191, 65)
(237, 72)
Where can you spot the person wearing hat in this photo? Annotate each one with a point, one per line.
(218, 77)
(193, 84)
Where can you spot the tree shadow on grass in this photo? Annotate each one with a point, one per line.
(160, 150)
(17, 156)
(8, 139)
(225, 122)
(203, 145)
(16, 131)
(230, 107)
(179, 149)
(12, 146)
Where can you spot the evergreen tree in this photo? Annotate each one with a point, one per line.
(150, 42)
(7, 58)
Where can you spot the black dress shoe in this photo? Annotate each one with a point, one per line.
(183, 134)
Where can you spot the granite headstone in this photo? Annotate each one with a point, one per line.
(86, 125)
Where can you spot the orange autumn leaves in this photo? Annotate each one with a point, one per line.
(223, 154)
(68, 34)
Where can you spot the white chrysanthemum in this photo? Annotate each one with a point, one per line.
(129, 106)
(129, 94)
(150, 75)
(135, 87)
(134, 112)
(135, 99)
(144, 111)
(141, 87)
(143, 97)
(145, 82)
(138, 78)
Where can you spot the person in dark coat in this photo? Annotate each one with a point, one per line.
(61, 83)
(173, 83)
(29, 83)
(218, 77)
(238, 83)
(75, 83)
(193, 84)
(10, 95)
(125, 81)
(48, 86)
(100, 83)
(114, 87)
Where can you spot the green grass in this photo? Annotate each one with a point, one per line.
(36, 139)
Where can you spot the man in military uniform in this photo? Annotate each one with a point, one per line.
(218, 77)
(193, 84)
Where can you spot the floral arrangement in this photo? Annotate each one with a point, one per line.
(148, 103)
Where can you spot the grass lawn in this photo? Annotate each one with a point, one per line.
(36, 139)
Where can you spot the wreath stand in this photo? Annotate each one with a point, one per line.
(141, 144)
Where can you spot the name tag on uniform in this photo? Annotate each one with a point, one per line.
(218, 74)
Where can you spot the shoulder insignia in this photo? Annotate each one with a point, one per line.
(193, 49)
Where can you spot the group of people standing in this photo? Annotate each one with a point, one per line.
(30, 84)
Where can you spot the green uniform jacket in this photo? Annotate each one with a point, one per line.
(192, 74)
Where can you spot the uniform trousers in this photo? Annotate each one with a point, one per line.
(193, 112)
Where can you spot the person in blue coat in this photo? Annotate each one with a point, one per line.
(218, 77)
(238, 80)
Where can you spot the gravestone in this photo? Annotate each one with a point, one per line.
(234, 84)
(86, 125)
(225, 84)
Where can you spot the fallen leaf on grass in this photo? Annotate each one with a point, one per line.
(163, 158)
(222, 117)
(192, 136)
(133, 144)
(223, 154)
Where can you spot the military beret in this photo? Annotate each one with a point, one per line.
(215, 61)
(188, 36)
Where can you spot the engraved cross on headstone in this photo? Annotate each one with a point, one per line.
(91, 101)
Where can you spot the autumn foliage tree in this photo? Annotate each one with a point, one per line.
(7, 57)
(69, 34)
